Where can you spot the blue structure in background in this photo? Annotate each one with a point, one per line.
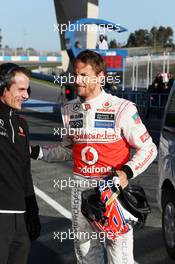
(110, 56)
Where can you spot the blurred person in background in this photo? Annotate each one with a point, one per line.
(102, 43)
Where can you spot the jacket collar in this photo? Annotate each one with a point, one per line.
(5, 109)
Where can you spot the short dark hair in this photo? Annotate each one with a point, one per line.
(92, 58)
(7, 74)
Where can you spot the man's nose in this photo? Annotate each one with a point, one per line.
(78, 79)
(26, 95)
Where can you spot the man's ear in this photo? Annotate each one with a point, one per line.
(3, 94)
(2, 91)
(101, 78)
(101, 73)
(5, 91)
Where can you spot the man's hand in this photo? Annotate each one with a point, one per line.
(34, 151)
(32, 217)
(123, 178)
(33, 226)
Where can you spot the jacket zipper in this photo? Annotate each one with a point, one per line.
(10, 121)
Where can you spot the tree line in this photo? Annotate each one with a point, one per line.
(162, 37)
(156, 37)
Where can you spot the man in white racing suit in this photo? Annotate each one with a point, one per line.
(101, 130)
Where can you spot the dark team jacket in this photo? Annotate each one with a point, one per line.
(15, 170)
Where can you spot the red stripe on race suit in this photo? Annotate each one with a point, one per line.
(95, 159)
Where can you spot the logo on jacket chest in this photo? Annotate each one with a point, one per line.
(103, 116)
(3, 130)
(21, 132)
(4, 134)
(2, 125)
(89, 155)
(76, 116)
(76, 107)
(76, 123)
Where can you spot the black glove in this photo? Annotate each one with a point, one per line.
(32, 217)
(91, 206)
(35, 151)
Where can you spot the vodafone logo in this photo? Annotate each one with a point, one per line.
(89, 155)
(94, 169)
(107, 104)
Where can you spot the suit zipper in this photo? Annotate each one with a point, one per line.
(13, 134)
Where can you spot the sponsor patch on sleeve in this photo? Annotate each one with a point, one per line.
(136, 118)
(145, 136)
